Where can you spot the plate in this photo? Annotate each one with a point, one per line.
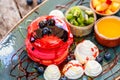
(16, 65)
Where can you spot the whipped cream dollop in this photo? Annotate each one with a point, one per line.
(73, 70)
(85, 51)
(57, 13)
(93, 68)
(52, 72)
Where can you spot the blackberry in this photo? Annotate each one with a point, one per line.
(42, 24)
(51, 22)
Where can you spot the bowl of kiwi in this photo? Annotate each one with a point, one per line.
(80, 19)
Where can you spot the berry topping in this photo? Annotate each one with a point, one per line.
(40, 69)
(70, 57)
(61, 33)
(32, 39)
(51, 22)
(39, 1)
(63, 78)
(38, 33)
(29, 2)
(46, 31)
(64, 37)
(99, 59)
(42, 24)
(107, 56)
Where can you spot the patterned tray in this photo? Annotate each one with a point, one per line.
(15, 64)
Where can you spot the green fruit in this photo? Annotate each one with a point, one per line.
(82, 24)
(72, 10)
(79, 20)
(74, 22)
(89, 12)
(79, 17)
(77, 13)
(86, 17)
(90, 20)
(69, 16)
(82, 16)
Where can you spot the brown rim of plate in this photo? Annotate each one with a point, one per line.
(101, 35)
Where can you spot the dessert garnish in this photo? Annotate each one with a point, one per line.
(85, 51)
(57, 13)
(70, 57)
(73, 70)
(93, 68)
(99, 59)
(63, 78)
(42, 24)
(107, 56)
(49, 28)
(52, 72)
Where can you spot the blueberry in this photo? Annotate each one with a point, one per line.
(69, 58)
(42, 24)
(39, 1)
(51, 22)
(40, 70)
(63, 78)
(32, 39)
(99, 59)
(107, 56)
(46, 31)
(29, 2)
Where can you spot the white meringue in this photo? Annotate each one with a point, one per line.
(73, 70)
(93, 68)
(57, 13)
(85, 51)
(52, 72)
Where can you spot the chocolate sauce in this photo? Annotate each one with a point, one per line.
(23, 65)
(30, 74)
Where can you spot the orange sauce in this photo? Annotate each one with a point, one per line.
(109, 27)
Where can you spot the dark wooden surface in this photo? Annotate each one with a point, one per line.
(11, 11)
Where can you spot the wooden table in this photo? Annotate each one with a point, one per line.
(11, 11)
